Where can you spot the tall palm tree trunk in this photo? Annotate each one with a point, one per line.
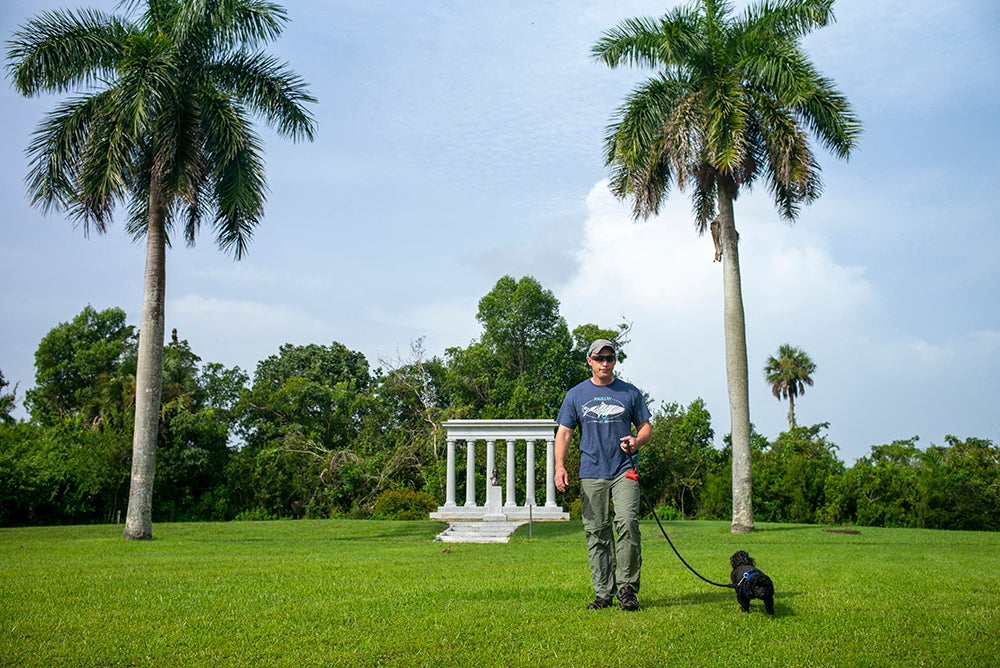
(148, 380)
(737, 372)
(791, 411)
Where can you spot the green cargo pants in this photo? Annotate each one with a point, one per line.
(612, 565)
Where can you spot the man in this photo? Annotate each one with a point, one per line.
(606, 408)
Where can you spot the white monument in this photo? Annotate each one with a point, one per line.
(510, 432)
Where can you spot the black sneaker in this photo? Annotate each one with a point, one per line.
(599, 603)
(627, 599)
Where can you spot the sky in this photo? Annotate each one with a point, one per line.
(459, 142)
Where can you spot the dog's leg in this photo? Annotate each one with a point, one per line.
(769, 604)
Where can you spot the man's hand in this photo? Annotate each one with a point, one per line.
(561, 479)
(630, 444)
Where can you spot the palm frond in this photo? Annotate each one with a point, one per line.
(703, 199)
(637, 42)
(104, 168)
(239, 194)
(270, 89)
(59, 51)
(684, 135)
(55, 153)
(223, 24)
(785, 19)
(635, 145)
(831, 118)
(666, 42)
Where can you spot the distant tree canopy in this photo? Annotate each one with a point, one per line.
(78, 363)
(7, 401)
(301, 421)
(317, 432)
(524, 361)
(680, 457)
(790, 476)
(951, 486)
(196, 418)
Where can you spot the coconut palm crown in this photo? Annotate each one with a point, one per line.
(733, 102)
(159, 122)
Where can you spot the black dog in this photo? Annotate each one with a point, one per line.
(750, 582)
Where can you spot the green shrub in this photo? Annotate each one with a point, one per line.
(255, 515)
(576, 509)
(403, 504)
(668, 513)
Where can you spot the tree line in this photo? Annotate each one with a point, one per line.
(317, 431)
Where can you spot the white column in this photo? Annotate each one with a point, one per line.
(491, 463)
(529, 473)
(550, 480)
(511, 498)
(449, 501)
(470, 473)
(494, 492)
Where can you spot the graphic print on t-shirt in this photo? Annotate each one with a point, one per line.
(603, 410)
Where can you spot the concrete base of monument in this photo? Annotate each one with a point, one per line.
(536, 513)
(508, 513)
(478, 532)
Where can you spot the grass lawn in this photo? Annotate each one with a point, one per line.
(366, 593)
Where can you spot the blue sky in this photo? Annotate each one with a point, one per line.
(461, 141)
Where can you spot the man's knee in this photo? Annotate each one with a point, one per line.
(627, 526)
(599, 530)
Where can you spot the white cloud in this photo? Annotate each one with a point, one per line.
(242, 332)
(659, 264)
(247, 274)
(441, 324)
(659, 275)
(918, 358)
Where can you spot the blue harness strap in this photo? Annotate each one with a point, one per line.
(745, 580)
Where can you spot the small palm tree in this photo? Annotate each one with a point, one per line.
(733, 103)
(163, 127)
(788, 373)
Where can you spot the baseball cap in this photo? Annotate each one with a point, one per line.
(598, 345)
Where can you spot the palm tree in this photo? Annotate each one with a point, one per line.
(733, 101)
(164, 126)
(788, 373)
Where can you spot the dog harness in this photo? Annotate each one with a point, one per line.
(745, 580)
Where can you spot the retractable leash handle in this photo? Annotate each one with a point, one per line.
(634, 475)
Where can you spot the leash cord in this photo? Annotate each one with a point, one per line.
(664, 531)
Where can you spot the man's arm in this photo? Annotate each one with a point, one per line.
(632, 443)
(563, 436)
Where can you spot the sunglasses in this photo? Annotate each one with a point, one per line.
(603, 358)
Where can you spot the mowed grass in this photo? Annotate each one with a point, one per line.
(366, 593)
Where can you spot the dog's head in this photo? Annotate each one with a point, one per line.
(740, 558)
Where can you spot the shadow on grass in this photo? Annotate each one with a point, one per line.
(720, 597)
(665, 600)
(550, 530)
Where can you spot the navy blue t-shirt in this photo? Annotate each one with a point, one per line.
(604, 413)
